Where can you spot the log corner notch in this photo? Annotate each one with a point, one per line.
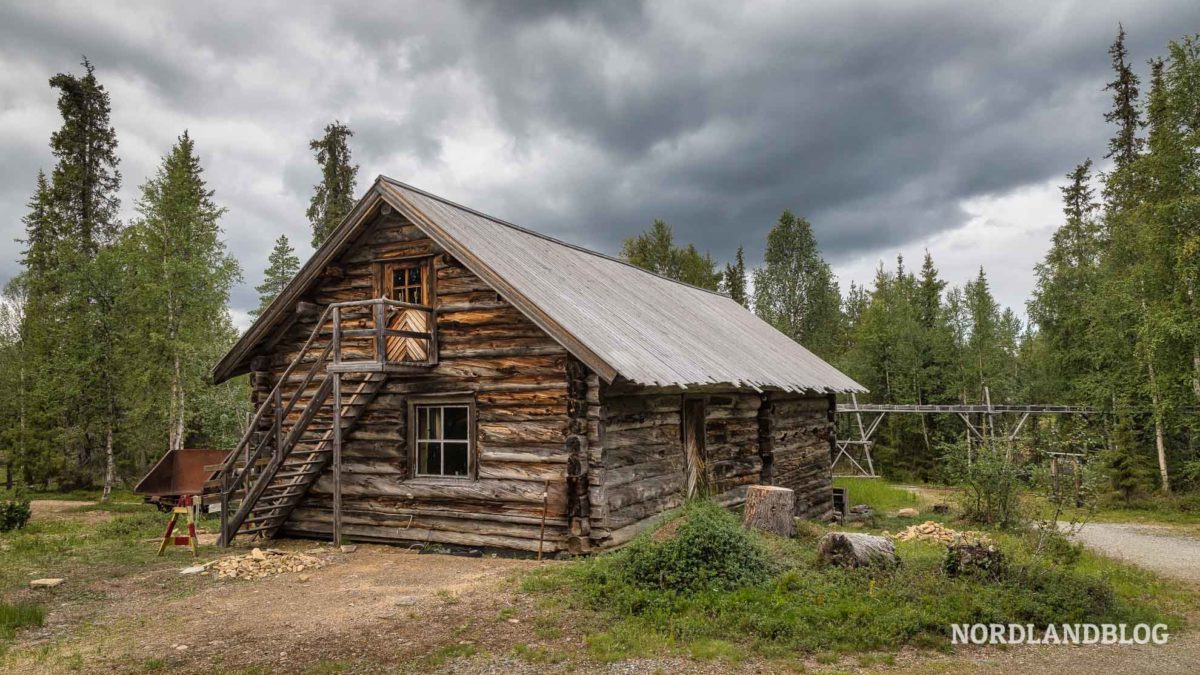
(578, 504)
(770, 509)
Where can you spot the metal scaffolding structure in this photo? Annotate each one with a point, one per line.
(857, 451)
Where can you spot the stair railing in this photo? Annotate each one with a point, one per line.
(232, 480)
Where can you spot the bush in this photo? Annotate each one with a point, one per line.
(14, 511)
(991, 482)
(705, 549)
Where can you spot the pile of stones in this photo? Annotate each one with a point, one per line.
(936, 532)
(260, 563)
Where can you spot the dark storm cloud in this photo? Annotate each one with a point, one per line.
(589, 120)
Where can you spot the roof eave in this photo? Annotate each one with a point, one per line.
(236, 360)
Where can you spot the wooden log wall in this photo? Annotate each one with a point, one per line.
(750, 438)
(488, 350)
(800, 431)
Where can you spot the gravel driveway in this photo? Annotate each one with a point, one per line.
(1154, 547)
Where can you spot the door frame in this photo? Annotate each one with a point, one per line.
(693, 414)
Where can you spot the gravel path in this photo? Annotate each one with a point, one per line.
(1154, 547)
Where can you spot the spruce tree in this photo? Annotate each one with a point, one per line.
(333, 197)
(84, 204)
(795, 290)
(734, 282)
(1125, 144)
(1067, 287)
(85, 180)
(282, 265)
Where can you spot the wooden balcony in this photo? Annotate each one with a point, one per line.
(382, 336)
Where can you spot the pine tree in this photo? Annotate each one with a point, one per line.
(282, 265)
(734, 282)
(795, 290)
(655, 250)
(333, 197)
(178, 298)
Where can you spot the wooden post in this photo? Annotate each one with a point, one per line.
(278, 423)
(337, 335)
(545, 507)
(380, 343)
(337, 459)
(224, 509)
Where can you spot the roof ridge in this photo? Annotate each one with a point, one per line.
(546, 237)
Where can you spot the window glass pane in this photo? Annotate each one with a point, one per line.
(429, 458)
(429, 423)
(456, 423)
(414, 276)
(455, 458)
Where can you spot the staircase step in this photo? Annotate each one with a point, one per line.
(296, 474)
(289, 481)
(263, 519)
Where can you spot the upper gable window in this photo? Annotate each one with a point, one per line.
(408, 284)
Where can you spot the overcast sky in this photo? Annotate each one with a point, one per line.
(893, 126)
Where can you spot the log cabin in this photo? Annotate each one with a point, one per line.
(436, 375)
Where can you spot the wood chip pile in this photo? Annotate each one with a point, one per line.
(934, 531)
(261, 563)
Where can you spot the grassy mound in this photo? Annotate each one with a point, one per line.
(704, 549)
(703, 586)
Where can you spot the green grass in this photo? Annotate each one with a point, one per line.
(805, 608)
(440, 656)
(881, 496)
(537, 654)
(14, 616)
(117, 496)
(72, 548)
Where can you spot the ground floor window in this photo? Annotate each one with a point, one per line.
(442, 439)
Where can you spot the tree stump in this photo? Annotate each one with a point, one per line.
(851, 549)
(770, 509)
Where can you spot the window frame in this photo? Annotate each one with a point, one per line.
(386, 269)
(414, 405)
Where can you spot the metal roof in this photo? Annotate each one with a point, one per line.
(618, 318)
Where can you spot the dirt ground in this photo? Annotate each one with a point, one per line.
(389, 609)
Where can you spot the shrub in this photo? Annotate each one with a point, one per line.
(991, 482)
(705, 549)
(14, 511)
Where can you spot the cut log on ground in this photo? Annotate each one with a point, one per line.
(850, 549)
(770, 509)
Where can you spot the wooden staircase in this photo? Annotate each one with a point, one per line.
(289, 444)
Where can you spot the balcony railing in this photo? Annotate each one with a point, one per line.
(382, 334)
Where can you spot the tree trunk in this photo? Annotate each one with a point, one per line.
(852, 549)
(176, 408)
(110, 465)
(1159, 436)
(770, 509)
(1196, 372)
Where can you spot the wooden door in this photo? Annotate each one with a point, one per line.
(695, 455)
(408, 282)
